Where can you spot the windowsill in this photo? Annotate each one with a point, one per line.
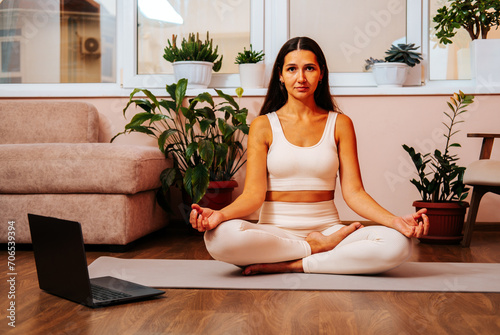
(113, 90)
(433, 88)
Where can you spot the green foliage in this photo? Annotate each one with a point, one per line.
(477, 17)
(403, 53)
(193, 49)
(446, 183)
(204, 139)
(249, 56)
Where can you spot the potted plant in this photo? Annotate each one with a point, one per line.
(440, 181)
(477, 18)
(251, 67)
(204, 140)
(193, 60)
(393, 70)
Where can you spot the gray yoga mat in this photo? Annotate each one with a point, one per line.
(209, 274)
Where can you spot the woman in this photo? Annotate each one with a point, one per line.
(295, 149)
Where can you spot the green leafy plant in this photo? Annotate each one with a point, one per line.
(476, 17)
(446, 177)
(249, 56)
(204, 138)
(401, 53)
(193, 49)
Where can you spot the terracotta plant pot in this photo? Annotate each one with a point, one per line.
(219, 194)
(446, 221)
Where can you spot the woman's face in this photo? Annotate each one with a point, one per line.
(301, 73)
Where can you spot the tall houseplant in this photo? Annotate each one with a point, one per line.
(393, 69)
(440, 179)
(204, 138)
(194, 59)
(477, 18)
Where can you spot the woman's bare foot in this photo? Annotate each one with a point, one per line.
(282, 267)
(322, 243)
(318, 243)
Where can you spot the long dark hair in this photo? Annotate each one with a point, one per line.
(277, 95)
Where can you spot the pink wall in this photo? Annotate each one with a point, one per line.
(383, 124)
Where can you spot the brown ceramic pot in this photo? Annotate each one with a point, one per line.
(446, 221)
(219, 194)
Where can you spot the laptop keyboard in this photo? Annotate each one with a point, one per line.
(100, 293)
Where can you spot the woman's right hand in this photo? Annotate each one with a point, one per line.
(203, 219)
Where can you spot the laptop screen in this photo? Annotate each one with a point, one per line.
(60, 258)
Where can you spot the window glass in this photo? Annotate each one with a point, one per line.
(450, 61)
(227, 21)
(57, 41)
(10, 56)
(350, 31)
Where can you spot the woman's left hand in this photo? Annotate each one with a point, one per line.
(412, 225)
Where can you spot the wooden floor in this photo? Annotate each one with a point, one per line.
(188, 311)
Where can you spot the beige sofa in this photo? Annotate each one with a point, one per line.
(52, 164)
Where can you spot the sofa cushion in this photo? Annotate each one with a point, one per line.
(48, 122)
(79, 168)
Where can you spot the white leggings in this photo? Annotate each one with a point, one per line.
(280, 236)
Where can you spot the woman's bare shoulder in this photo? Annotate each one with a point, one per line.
(260, 122)
(343, 127)
(343, 123)
(343, 119)
(260, 129)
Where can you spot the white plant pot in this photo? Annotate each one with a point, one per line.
(390, 74)
(414, 76)
(197, 73)
(485, 65)
(252, 75)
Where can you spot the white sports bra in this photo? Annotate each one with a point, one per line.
(294, 168)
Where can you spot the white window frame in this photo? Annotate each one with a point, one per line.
(364, 79)
(276, 28)
(269, 30)
(130, 77)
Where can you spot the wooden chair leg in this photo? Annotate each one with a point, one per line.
(477, 194)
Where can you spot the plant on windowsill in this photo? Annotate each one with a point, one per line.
(440, 180)
(194, 59)
(249, 56)
(392, 71)
(477, 18)
(251, 67)
(204, 139)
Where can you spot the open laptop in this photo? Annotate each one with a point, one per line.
(61, 266)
